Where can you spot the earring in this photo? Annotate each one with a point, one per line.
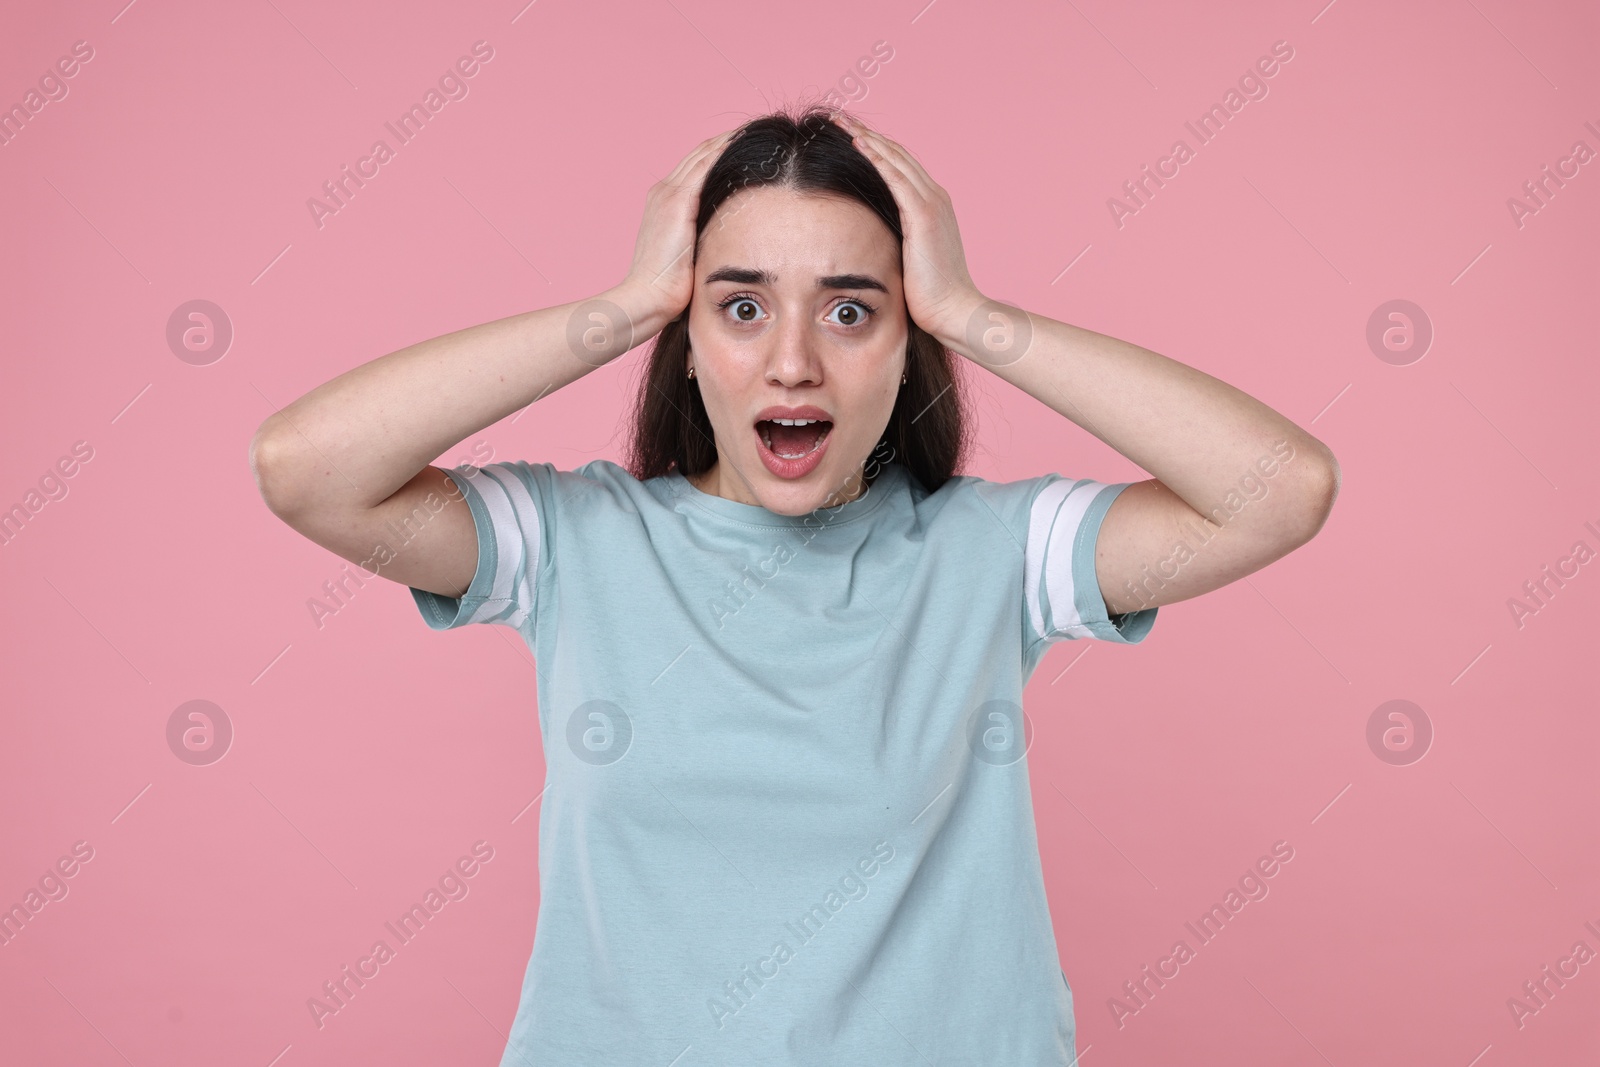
(691, 372)
(902, 379)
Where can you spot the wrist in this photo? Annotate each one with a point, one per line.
(991, 333)
(963, 321)
(646, 312)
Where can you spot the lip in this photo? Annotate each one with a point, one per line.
(778, 411)
(790, 469)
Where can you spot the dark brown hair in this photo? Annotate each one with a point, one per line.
(928, 429)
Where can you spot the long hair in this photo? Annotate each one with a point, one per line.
(928, 431)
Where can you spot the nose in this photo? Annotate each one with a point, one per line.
(794, 357)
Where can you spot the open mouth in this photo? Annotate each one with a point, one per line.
(793, 438)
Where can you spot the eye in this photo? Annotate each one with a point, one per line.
(744, 305)
(853, 317)
(854, 311)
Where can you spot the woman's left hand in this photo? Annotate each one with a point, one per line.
(940, 296)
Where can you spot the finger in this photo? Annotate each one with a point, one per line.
(894, 150)
(868, 140)
(705, 151)
(852, 122)
(711, 153)
(698, 155)
(892, 170)
(904, 161)
(905, 190)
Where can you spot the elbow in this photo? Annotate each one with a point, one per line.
(271, 466)
(1318, 489)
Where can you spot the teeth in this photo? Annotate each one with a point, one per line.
(766, 437)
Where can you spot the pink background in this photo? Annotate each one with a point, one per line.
(370, 753)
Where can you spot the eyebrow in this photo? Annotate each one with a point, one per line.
(749, 276)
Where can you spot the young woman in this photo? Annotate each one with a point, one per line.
(782, 653)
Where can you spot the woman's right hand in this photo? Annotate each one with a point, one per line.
(662, 274)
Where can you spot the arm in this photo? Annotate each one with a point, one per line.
(1199, 436)
(349, 458)
(1235, 481)
(353, 455)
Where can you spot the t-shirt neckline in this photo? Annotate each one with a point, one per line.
(890, 477)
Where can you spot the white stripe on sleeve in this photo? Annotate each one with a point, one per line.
(527, 512)
(1053, 524)
(509, 545)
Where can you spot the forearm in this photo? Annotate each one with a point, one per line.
(1196, 434)
(355, 440)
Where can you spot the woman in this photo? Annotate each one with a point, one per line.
(782, 654)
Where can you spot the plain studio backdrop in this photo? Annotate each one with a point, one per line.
(1390, 239)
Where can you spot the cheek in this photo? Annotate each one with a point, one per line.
(874, 410)
(723, 402)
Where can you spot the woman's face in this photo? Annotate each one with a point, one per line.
(797, 305)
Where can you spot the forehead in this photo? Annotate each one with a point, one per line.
(797, 236)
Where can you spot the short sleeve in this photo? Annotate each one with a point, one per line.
(1062, 592)
(512, 505)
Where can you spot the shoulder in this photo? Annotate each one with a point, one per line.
(604, 483)
(543, 487)
(599, 486)
(1020, 511)
(985, 503)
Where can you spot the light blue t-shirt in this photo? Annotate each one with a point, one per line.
(787, 818)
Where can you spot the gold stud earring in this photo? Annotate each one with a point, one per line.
(902, 379)
(691, 372)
